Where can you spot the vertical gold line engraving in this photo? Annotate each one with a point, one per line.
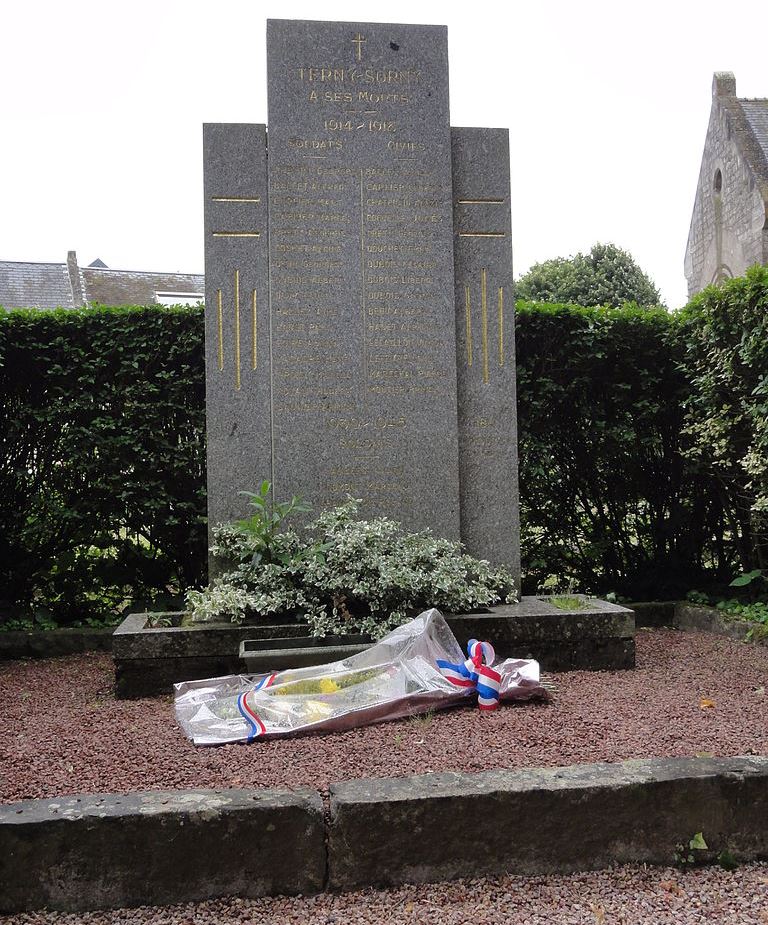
(220, 323)
(468, 316)
(362, 283)
(501, 325)
(254, 333)
(237, 329)
(484, 318)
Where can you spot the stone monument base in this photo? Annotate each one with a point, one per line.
(149, 658)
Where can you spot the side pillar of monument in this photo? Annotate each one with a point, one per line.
(485, 339)
(237, 336)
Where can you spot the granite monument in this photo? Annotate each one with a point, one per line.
(359, 305)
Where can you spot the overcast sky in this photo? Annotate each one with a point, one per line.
(607, 104)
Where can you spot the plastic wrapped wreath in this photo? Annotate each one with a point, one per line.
(417, 667)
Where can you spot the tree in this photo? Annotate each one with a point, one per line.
(607, 275)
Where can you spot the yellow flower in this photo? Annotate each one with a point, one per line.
(328, 686)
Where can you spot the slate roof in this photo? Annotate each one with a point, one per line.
(39, 285)
(129, 287)
(756, 112)
(49, 285)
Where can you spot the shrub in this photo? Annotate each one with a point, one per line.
(345, 575)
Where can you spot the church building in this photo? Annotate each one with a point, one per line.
(729, 226)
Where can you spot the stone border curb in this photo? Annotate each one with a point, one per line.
(100, 851)
(695, 618)
(53, 643)
(67, 641)
(542, 821)
(653, 613)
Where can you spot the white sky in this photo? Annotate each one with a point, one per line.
(102, 105)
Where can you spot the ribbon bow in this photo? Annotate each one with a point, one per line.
(476, 672)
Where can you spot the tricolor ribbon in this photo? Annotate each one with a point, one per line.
(255, 725)
(476, 672)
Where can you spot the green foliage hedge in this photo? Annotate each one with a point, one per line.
(607, 497)
(726, 361)
(102, 458)
(643, 445)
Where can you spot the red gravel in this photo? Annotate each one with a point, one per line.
(622, 896)
(62, 732)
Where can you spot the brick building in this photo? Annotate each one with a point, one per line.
(67, 285)
(729, 226)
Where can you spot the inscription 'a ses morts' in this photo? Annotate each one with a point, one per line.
(380, 372)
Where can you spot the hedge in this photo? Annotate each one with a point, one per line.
(102, 473)
(725, 334)
(607, 498)
(102, 458)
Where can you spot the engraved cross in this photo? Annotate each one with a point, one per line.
(358, 40)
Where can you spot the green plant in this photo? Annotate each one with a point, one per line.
(261, 528)
(687, 855)
(561, 594)
(752, 612)
(346, 575)
(748, 578)
(28, 624)
(422, 721)
(697, 597)
(727, 860)
(567, 602)
(159, 621)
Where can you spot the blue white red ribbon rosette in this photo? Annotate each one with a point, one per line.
(476, 672)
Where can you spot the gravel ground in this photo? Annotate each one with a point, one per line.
(62, 732)
(621, 896)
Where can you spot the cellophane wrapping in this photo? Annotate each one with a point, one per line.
(397, 676)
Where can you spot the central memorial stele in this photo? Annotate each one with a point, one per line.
(359, 307)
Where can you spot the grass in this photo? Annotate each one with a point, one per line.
(567, 602)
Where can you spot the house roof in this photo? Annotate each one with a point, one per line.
(39, 285)
(134, 287)
(67, 285)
